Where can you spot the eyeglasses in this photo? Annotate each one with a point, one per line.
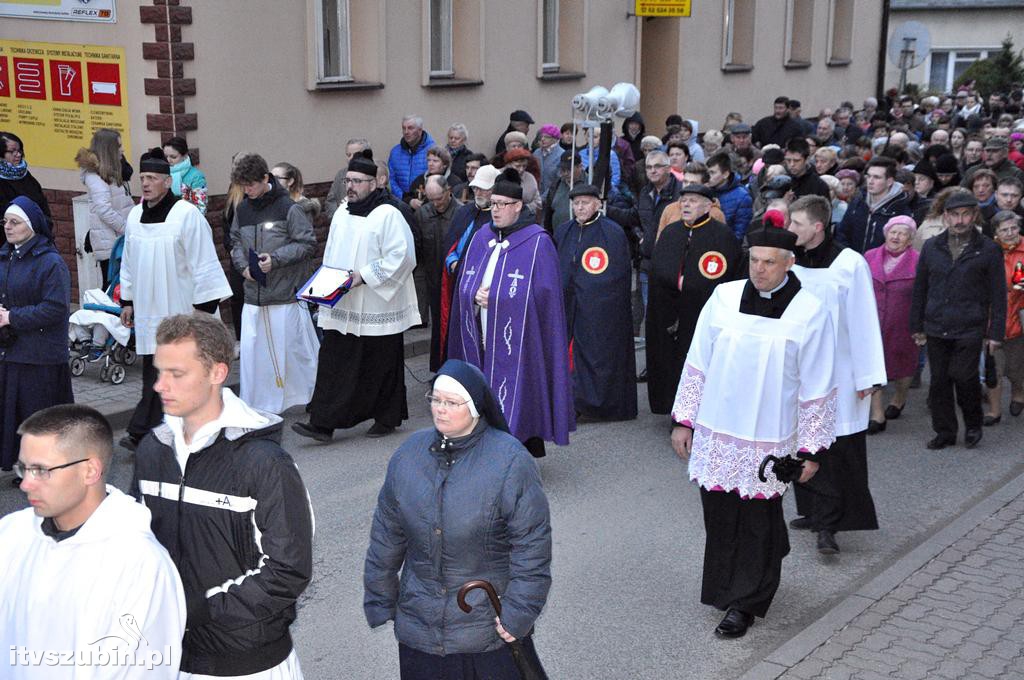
(503, 204)
(42, 473)
(14, 152)
(442, 403)
(349, 180)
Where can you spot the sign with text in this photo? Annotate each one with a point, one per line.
(55, 95)
(103, 11)
(663, 8)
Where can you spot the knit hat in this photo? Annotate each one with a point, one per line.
(900, 221)
(508, 184)
(946, 164)
(847, 173)
(516, 136)
(927, 169)
(550, 130)
(362, 162)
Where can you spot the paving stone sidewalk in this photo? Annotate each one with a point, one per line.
(952, 608)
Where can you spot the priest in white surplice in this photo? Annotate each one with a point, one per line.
(838, 498)
(169, 266)
(361, 371)
(757, 382)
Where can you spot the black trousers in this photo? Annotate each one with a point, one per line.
(954, 364)
(149, 412)
(838, 498)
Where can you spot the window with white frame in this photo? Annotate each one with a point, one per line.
(441, 58)
(550, 18)
(948, 65)
(799, 32)
(334, 54)
(840, 32)
(738, 34)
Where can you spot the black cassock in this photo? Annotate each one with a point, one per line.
(596, 268)
(703, 256)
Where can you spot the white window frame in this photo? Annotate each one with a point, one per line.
(830, 57)
(549, 32)
(983, 52)
(344, 65)
(729, 61)
(787, 58)
(446, 69)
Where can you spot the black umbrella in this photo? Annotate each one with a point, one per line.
(787, 469)
(524, 656)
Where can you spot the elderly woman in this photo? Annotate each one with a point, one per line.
(35, 297)
(893, 266)
(438, 162)
(826, 161)
(526, 165)
(460, 501)
(1010, 357)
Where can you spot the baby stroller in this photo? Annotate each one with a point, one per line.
(95, 331)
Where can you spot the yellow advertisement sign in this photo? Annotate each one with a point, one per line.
(55, 95)
(663, 8)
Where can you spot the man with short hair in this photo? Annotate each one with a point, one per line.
(1008, 194)
(733, 198)
(806, 181)
(557, 205)
(336, 194)
(408, 158)
(272, 247)
(360, 373)
(959, 305)
(689, 259)
(825, 132)
(882, 198)
(777, 128)
(229, 505)
(796, 114)
(169, 266)
(81, 568)
(757, 382)
(838, 498)
(435, 219)
(596, 268)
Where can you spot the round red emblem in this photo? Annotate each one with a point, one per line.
(712, 264)
(595, 260)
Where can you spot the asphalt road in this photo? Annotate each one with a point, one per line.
(628, 545)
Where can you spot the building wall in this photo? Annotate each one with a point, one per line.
(952, 29)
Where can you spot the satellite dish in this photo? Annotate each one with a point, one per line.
(909, 45)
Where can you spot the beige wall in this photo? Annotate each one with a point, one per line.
(963, 28)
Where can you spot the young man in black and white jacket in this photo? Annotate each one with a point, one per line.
(228, 504)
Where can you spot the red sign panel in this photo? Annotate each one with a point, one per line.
(29, 78)
(5, 78)
(104, 84)
(65, 81)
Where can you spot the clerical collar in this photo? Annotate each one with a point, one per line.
(158, 212)
(774, 290)
(49, 528)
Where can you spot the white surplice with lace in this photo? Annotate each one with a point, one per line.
(754, 386)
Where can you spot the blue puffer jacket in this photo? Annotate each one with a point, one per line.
(406, 163)
(475, 512)
(861, 227)
(736, 204)
(35, 286)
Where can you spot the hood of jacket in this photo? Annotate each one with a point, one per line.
(237, 421)
(117, 515)
(895, 191)
(635, 118)
(88, 161)
(269, 197)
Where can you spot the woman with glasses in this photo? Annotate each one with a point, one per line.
(35, 294)
(1009, 358)
(461, 501)
(15, 179)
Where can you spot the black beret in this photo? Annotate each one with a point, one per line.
(520, 116)
(772, 237)
(698, 189)
(584, 190)
(362, 162)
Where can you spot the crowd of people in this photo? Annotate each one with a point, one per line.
(783, 272)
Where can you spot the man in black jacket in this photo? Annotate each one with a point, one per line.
(882, 199)
(228, 504)
(777, 128)
(806, 181)
(959, 304)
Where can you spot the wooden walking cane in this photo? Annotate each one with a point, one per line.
(526, 659)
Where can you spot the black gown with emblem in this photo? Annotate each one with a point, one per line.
(704, 255)
(595, 265)
(838, 497)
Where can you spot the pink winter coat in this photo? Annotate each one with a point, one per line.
(893, 293)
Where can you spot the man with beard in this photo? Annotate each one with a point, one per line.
(508, 319)
(595, 263)
(777, 128)
(360, 370)
(838, 498)
(691, 257)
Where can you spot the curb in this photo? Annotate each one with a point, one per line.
(818, 633)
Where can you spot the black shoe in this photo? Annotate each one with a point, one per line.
(642, 378)
(320, 434)
(378, 430)
(735, 624)
(989, 421)
(129, 442)
(972, 437)
(800, 523)
(941, 441)
(893, 412)
(1016, 408)
(827, 542)
(874, 427)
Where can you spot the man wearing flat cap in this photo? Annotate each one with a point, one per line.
(758, 381)
(518, 120)
(169, 266)
(690, 257)
(596, 267)
(959, 306)
(360, 373)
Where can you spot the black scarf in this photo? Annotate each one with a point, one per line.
(820, 257)
(769, 307)
(158, 213)
(525, 219)
(365, 207)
